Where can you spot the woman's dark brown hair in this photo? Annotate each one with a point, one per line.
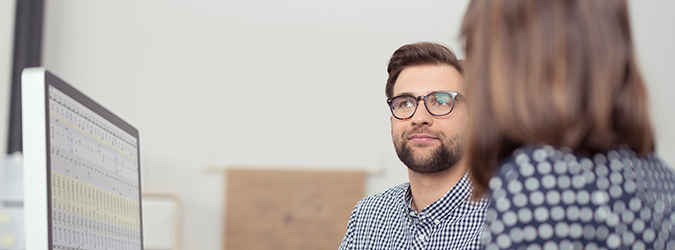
(557, 72)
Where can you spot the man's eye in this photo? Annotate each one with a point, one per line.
(441, 100)
(404, 104)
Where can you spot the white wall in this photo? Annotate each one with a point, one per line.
(7, 11)
(654, 40)
(203, 81)
(243, 83)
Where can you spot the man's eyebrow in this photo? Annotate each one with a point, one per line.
(405, 93)
(411, 94)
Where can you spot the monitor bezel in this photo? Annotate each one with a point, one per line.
(35, 115)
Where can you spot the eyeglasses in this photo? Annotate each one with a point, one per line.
(438, 103)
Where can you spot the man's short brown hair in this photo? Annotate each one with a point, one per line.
(416, 54)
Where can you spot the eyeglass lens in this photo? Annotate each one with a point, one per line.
(437, 103)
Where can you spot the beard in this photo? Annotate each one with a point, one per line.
(442, 158)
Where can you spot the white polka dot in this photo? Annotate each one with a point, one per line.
(589, 176)
(550, 245)
(552, 197)
(500, 193)
(541, 214)
(586, 214)
(615, 165)
(561, 229)
(569, 197)
(524, 215)
(628, 238)
(531, 184)
(516, 235)
(577, 245)
(497, 227)
(557, 213)
(615, 192)
(537, 198)
(510, 218)
(548, 181)
(600, 159)
(613, 241)
(573, 167)
(520, 200)
(492, 246)
(491, 215)
(601, 214)
(615, 178)
(639, 245)
(527, 169)
(630, 187)
(649, 235)
(646, 214)
(659, 206)
(539, 155)
(533, 246)
(576, 230)
(602, 183)
(486, 237)
(601, 232)
(601, 170)
(635, 204)
(591, 246)
(566, 245)
(671, 245)
(545, 231)
(627, 216)
(564, 182)
(515, 187)
(620, 228)
(573, 213)
(589, 232)
(503, 241)
(544, 168)
(586, 163)
(560, 167)
(612, 219)
(600, 197)
(619, 206)
(578, 181)
(495, 183)
(522, 159)
(637, 226)
(529, 233)
(583, 197)
(503, 204)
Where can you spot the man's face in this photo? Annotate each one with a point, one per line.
(427, 143)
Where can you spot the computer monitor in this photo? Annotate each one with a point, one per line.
(81, 170)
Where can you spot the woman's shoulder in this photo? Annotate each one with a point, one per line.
(544, 195)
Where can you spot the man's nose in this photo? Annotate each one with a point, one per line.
(422, 116)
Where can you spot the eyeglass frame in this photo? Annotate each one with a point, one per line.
(453, 94)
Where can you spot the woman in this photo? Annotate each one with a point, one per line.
(560, 135)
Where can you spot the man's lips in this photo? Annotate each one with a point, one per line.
(421, 138)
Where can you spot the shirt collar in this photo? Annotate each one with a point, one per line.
(443, 207)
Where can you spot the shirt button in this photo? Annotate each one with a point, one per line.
(421, 236)
(437, 221)
(412, 214)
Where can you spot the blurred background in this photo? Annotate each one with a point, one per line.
(295, 84)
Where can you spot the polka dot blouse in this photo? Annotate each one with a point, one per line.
(546, 198)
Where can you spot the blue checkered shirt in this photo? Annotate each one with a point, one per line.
(386, 221)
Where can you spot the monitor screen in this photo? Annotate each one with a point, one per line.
(91, 171)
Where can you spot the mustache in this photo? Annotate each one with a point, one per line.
(437, 134)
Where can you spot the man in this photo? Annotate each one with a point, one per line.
(429, 119)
